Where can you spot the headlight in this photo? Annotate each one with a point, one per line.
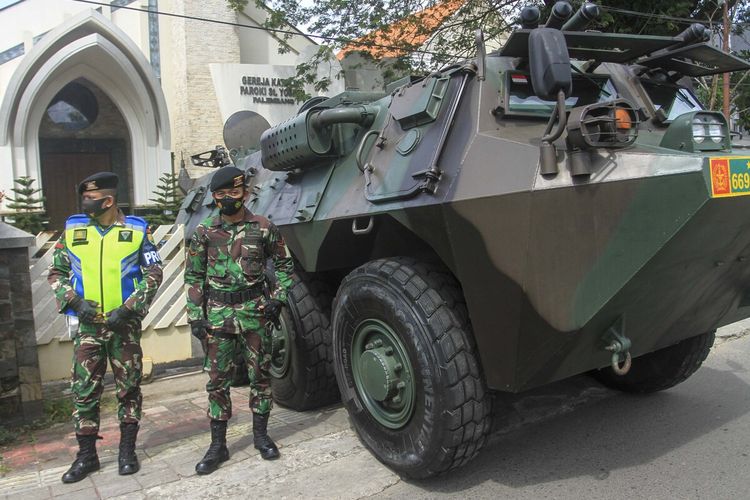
(697, 131)
(707, 126)
(700, 131)
(715, 129)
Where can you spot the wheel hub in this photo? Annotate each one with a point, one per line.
(383, 374)
(380, 373)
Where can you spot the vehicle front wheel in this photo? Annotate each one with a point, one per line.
(302, 356)
(407, 368)
(662, 369)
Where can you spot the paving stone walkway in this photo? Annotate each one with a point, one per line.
(173, 438)
(321, 456)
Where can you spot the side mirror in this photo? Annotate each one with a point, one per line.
(549, 63)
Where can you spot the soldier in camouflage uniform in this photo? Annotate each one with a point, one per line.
(105, 271)
(225, 281)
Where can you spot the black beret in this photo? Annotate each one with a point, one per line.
(100, 180)
(227, 178)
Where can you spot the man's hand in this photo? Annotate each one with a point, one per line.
(85, 309)
(118, 319)
(272, 311)
(199, 328)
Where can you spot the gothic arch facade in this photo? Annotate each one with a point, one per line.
(88, 46)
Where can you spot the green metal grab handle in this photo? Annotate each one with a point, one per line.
(361, 148)
(362, 231)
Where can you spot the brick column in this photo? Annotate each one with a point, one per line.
(20, 384)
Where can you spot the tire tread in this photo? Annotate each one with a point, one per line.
(312, 303)
(438, 297)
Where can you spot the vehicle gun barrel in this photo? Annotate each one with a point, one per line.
(587, 13)
(696, 32)
(561, 11)
(530, 17)
(362, 115)
(307, 139)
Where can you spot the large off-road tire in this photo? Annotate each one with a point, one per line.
(660, 369)
(302, 361)
(407, 367)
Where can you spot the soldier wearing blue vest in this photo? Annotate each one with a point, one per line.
(105, 271)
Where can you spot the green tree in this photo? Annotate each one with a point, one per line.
(29, 206)
(402, 40)
(710, 89)
(167, 200)
(664, 14)
(740, 96)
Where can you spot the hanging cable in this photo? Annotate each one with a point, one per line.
(343, 41)
(663, 17)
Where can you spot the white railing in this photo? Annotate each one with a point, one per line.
(167, 310)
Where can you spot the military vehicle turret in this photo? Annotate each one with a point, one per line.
(561, 206)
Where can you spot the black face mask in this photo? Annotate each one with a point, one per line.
(94, 208)
(229, 205)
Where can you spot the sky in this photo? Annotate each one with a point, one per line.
(5, 3)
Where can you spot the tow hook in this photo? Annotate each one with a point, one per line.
(619, 345)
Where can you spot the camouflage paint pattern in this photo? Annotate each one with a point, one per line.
(91, 351)
(95, 344)
(546, 263)
(232, 257)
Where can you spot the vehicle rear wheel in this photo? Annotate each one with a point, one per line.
(302, 357)
(660, 369)
(407, 368)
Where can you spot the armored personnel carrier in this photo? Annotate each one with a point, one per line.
(564, 205)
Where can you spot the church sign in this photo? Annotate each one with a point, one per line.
(259, 88)
(265, 90)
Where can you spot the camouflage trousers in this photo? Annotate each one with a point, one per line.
(256, 349)
(91, 351)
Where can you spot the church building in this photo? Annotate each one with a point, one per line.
(133, 87)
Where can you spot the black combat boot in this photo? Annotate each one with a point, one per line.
(86, 460)
(268, 449)
(127, 460)
(217, 450)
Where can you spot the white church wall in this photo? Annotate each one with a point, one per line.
(261, 47)
(6, 73)
(134, 24)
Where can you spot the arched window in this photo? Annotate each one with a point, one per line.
(74, 107)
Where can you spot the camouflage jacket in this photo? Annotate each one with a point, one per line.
(143, 293)
(232, 257)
